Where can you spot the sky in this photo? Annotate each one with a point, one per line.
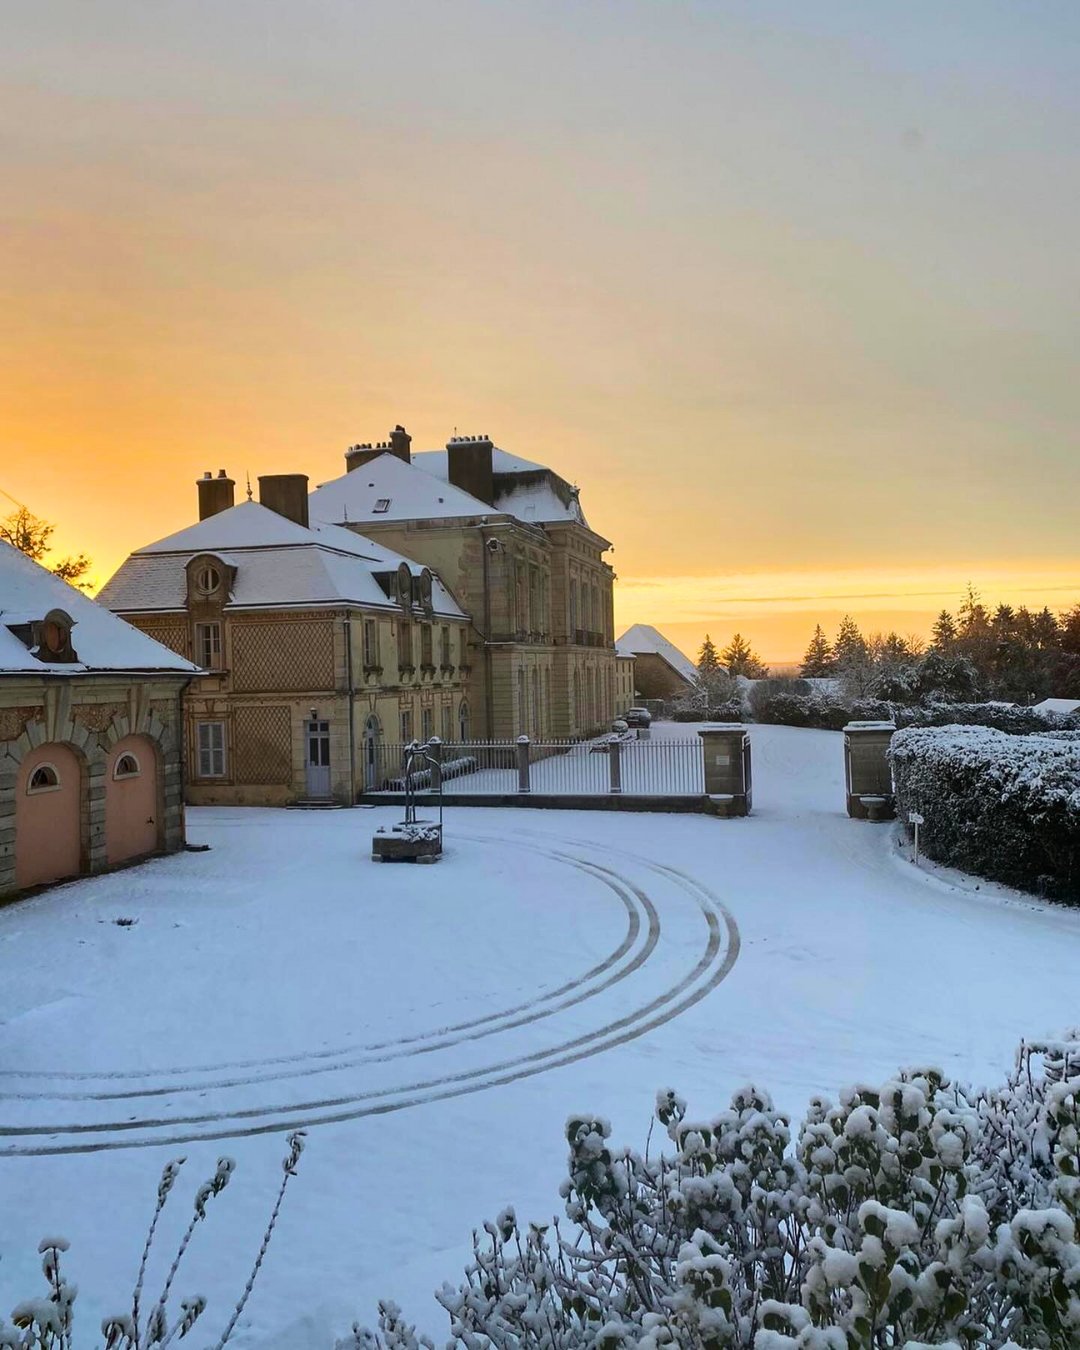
(789, 290)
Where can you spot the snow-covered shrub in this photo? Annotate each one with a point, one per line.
(47, 1322)
(1001, 806)
(916, 1213)
(827, 712)
(1001, 716)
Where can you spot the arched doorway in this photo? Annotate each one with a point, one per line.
(371, 753)
(132, 816)
(48, 816)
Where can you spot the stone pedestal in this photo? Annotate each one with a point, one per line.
(726, 750)
(867, 771)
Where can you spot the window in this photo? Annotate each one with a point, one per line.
(447, 723)
(211, 748)
(405, 657)
(381, 506)
(127, 766)
(463, 721)
(207, 580)
(371, 642)
(444, 646)
(464, 647)
(43, 779)
(406, 726)
(427, 724)
(573, 609)
(426, 657)
(208, 645)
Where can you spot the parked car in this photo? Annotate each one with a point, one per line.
(637, 717)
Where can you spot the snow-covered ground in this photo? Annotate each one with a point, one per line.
(435, 1026)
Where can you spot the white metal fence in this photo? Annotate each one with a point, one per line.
(641, 767)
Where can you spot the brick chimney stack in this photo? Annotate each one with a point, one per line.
(400, 441)
(215, 494)
(469, 467)
(287, 494)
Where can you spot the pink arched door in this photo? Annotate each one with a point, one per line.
(132, 818)
(48, 816)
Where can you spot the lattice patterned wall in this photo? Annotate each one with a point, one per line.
(175, 636)
(293, 656)
(262, 745)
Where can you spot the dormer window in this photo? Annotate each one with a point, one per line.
(48, 639)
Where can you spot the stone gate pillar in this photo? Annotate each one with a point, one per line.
(867, 771)
(726, 750)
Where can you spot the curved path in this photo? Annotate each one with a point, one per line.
(85, 1117)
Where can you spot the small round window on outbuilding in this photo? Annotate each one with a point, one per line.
(43, 779)
(127, 766)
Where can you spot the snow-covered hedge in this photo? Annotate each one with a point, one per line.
(917, 1213)
(1001, 806)
(829, 712)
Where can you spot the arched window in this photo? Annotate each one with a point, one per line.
(43, 779)
(522, 710)
(463, 721)
(127, 766)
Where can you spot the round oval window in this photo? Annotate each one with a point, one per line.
(209, 580)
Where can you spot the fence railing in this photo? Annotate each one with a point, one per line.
(608, 765)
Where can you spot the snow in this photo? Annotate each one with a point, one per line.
(421, 490)
(278, 564)
(643, 638)
(101, 640)
(409, 493)
(1059, 706)
(434, 1027)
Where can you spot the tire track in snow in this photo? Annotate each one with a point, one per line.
(403, 1047)
(712, 967)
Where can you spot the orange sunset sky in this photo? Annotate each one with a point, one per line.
(789, 289)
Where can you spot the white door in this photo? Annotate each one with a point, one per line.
(318, 759)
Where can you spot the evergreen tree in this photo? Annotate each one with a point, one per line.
(944, 632)
(740, 659)
(32, 536)
(708, 662)
(818, 661)
(850, 647)
(713, 679)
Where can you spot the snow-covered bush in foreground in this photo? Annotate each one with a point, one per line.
(1001, 806)
(47, 1322)
(917, 1213)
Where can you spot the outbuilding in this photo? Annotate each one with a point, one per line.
(90, 733)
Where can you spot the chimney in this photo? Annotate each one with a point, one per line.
(400, 440)
(468, 466)
(287, 494)
(215, 494)
(356, 455)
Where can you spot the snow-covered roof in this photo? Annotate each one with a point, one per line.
(529, 491)
(1064, 706)
(102, 640)
(386, 488)
(643, 639)
(278, 563)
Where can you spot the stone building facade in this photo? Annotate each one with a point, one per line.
(511, 542)
(91, 734)
(320, 650)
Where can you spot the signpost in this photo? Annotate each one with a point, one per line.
(916, 819)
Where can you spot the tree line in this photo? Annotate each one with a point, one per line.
(1017, 655)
